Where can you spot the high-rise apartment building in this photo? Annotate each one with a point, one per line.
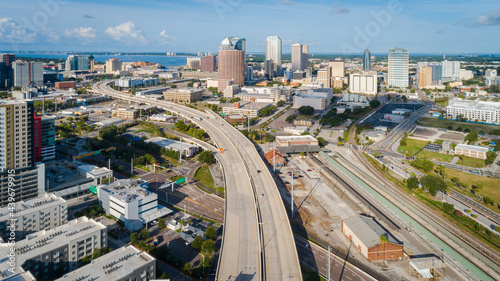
(274, 49)
(48, 135)
(6, 61)
(209, 63)
(364, 83)
(232, 60)
(27, 73)
(79, 62)
(424, 77)
(367, 60)
(91, 63)
(451, 71)
(269, 69)
(113, 65)
(324, 76)
(194, 63)
(17, 152)
(399, 60)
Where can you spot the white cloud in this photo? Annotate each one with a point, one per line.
(83, 33)
(490, 19)
(337, 9)
(288, 2)
(127, 33)
(165, 39)
(12, 32)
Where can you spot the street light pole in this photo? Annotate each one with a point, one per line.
(291, 200)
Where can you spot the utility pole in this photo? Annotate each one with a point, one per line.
(291, 198)
(329, 269)
(180, 152)
(109, 168)
(274, 157)
(132, 166)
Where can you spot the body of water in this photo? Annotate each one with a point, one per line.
(163, 60)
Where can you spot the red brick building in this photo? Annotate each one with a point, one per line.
(209, 63)
(65, 85)
(280, 160)
(365, 234)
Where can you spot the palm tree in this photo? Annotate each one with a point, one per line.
(383, 240)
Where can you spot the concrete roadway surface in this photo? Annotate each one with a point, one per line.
(316, 258)
(243, 240)
(478, 207)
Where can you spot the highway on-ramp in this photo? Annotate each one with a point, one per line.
(258, 243)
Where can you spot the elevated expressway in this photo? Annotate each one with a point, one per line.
(258, 243)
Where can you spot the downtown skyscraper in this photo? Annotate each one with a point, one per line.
(232, 60)
(367, 60)
(399, 60)
(300, 57)
(274, 49)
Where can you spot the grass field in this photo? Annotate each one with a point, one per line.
(204, 176)
(473, 127)
(144, 129)
(490, 185)
(413, 146)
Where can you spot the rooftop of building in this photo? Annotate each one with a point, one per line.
(93, 170)
(369, 231)
(472, 147)
(33, 205)
(112, 266)
(474, 104)
(184, 90)
(248, 105)
(46, 240)
(127, 190)
(296, 138)
(176, 145)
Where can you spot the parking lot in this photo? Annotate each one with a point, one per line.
(62, 174)
(387, 109)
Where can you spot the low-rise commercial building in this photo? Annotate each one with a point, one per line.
(61, 249)
(186, 95)
(296, 140)
(125, 113)
(353, 100)
(131, 202)
(365, 234)
(126, 263)
(26, 217)
(64, 85)
(187, 149)
(317, 98)
(245, 108)
(298, 130)
(473, 151)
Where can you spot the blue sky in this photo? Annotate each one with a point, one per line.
(451, 27)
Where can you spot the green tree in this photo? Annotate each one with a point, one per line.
(471, 138)
(211, 233)
(187, 268)
(268, 138)
(449, 208)
(281, 103)
(161, 223)
(206, 157)
(412, 183)
(383, 241)
(374, 103)
(290, 118)
(433, 184)
(208, 246)
(306, 110)
(197, 243)
(321, 141)
(144, 233)
(134, 237)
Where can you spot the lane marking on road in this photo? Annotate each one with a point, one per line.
(190, 200)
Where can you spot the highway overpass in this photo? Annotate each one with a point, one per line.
(258, 243)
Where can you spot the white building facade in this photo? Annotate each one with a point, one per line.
(398, 75)
(474, 110)
(363, 83)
